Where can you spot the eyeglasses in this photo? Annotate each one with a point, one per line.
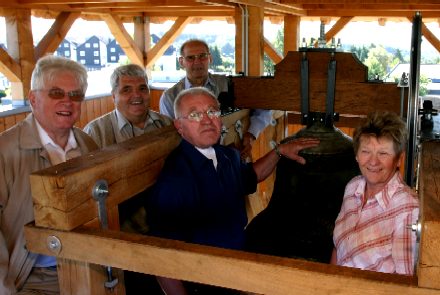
(201, 57)
(58, 93)
(198, 116)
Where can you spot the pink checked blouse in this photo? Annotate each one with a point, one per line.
(376, 237)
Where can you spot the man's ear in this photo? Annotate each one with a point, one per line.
(210, 58)
(181, 62)
(178, 125)
(32, 98)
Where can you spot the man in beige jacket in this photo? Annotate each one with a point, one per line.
(132, 115)
(45, 138)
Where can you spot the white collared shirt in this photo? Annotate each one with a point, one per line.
(210, 154)
(56, 153)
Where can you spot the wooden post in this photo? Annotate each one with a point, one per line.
(238, 40)
(21, 48)
(291, 33)
(256, 41)
(429, 193)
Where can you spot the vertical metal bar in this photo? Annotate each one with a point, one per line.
(413, 99)
(331, 86)
(304, 89)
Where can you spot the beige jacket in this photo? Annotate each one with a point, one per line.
(21, 153)
(110, 129)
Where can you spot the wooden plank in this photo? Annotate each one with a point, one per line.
(354, 94)
(62, 194)
(249, 272)
(429, 265)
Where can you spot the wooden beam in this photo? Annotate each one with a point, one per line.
(429, 260)
(9, 67)
(337, 27)
(20, 47)
(256, 41)
(292, 26)
(156, 52)
(124, 39)
(57, 32)
(239, 29)
(261, 274)
(271, 6)
(354, 94)
(62, 193)
(272, 52)
(435, 42)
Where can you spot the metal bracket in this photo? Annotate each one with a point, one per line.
(100, 193)
(239, 129)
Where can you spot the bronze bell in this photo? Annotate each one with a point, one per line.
(299, 219)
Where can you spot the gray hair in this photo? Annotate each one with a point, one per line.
(49, 66)
(188, 92)
(131, 70)
(386, 125)
(193, 41)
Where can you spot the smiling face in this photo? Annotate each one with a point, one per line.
(202, 134)
(56, 116)
(377, 161)
(132, 99)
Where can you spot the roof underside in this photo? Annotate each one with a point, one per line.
(162, 10)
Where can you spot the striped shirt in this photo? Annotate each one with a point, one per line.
(376, 236)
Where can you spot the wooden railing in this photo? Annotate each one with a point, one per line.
(66, 213)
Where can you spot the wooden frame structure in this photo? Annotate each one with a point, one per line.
(81, 246)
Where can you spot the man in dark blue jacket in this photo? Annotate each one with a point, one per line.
(200, 194)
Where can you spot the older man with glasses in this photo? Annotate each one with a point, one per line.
(45, 138)
(199, 196)
(195, 58)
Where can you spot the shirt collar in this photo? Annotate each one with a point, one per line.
(45, 138)
(122, 121)
(384, 196)
(210, 83)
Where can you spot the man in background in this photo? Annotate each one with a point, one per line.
(45, 138)
(195, 58)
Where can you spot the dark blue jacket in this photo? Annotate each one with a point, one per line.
(193, 202)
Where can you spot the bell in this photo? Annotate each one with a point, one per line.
(299, 219)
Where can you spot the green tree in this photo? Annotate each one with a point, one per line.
(423, 85)
(268, 64)
(399, 56)
(378, 63)
(361, 52)
(216, 57)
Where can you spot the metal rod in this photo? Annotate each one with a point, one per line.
(413, 99)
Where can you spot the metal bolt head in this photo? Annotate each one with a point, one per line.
(53, 244)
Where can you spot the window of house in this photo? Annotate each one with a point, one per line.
(112, 49)
(82, 53)
(67, 53)
(95, 45)
(96, 53)
(87, 45)
(96, 61)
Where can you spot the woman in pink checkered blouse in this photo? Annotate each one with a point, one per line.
(371, 230)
